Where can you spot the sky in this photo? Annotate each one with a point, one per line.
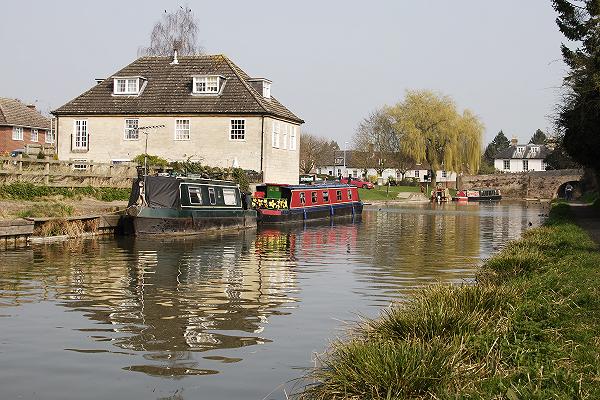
(331, 62)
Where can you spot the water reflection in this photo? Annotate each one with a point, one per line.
(191, 307)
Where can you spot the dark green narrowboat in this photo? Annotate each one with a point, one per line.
(185, 205)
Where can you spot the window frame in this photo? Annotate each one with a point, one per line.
(417, 173)
(314, 197)
(37, 135)
(237, 130)
(127, 89)
(302, 198)
(338, 195)
(197, 192)
(17, 133)
(81, 135)
(506, 165)
(49, 137)
(325, 196)
(227, 193)
(284, 136)
(293, 138)
(177, 134)
(275, 136)
(525, 165)
(349, 194)
(212, 196)
(211, 84)
(79, 167)
(129, 129)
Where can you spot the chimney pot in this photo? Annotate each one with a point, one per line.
(514, 141)
(175, 60)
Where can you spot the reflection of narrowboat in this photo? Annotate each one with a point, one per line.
(478, 195)
(183, 205)
(286, 203)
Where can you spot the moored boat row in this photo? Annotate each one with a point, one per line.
(187, 205)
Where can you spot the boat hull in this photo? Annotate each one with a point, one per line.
(152, 221)
(349, 210)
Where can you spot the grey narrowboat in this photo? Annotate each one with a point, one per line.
(185, 205)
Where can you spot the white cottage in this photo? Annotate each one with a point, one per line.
(522, 158)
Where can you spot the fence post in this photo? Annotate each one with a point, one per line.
(47, 173)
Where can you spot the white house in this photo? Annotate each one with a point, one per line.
(345, 163)
(522, 158)
(201, 108)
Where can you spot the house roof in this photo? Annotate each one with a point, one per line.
(511, 152)
(168, 90)
(354, 158)
(15, 113)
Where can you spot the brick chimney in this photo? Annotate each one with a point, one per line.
(514, 141)
(31, 106)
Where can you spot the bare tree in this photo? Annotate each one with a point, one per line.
(315, 151)
(176, 30)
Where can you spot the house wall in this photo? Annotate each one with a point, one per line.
(209, 143)
(281, 165)
(389, 172)
(516, 165)
(7, 144)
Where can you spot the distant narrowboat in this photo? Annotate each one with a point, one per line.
(478, 195)
(276, 203)
(185, 205)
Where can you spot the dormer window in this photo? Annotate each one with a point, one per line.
(262, 86)
(206, 84)
(520, 149)
(267, 90)
(129, 86)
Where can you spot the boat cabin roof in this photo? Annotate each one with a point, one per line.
(334, 185)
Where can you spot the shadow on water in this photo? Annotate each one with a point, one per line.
(205, 306)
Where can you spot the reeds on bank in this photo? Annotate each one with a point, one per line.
(528, 329)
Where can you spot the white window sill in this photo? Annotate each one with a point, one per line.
(131, 140)
(182, 140)
(237, 140)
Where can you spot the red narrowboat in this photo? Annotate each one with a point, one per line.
(275, 203)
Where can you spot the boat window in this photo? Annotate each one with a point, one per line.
(302, 198)
(313, 196)
(326, 196)
(211, 196)
(349, 194)
(195, 195)
(229, 197)
(339, 195)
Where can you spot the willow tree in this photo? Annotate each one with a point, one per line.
(431, 129)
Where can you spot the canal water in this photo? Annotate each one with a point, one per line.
(236, 316)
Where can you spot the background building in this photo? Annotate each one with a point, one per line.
(22, 126)
(522, 158)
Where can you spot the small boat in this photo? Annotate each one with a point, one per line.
(478, 195)
(185, 205)
(441, 195)
(276, 203)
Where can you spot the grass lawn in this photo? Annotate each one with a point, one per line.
(528, 329)
(382, 193)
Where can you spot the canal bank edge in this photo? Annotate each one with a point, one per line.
(529, 328)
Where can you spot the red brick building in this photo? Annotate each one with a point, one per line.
(22, 125)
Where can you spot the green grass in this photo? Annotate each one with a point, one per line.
(382, 193)
(41, 210)
(29, 191)
(529, 329)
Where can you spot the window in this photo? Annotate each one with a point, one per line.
(444, 174)
(292, 137)
(355, 173)
(211, 196)
(302, 198)
(339, 195)
(206, 84)
(417, 173)
(520, 149)
(506, 164)
(285, 136)
(229, 197)
(525, 165)
(313, 196)
(34, 135)
(80, 167)
(127, 86)
(544, 165)
(349, 194)
(275, 138)
(81, 135)
(131, 129)
(182, 129)
(237, 130)
(326, 196)
(17, 133)
(49, 137)
(195, 194)
(266, 90)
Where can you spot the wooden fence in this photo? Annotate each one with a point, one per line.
(65, 173)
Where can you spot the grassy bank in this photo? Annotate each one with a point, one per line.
(529, 329)
(29, 191)
(382, 193)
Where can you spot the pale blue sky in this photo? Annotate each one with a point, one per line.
(331, 62)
